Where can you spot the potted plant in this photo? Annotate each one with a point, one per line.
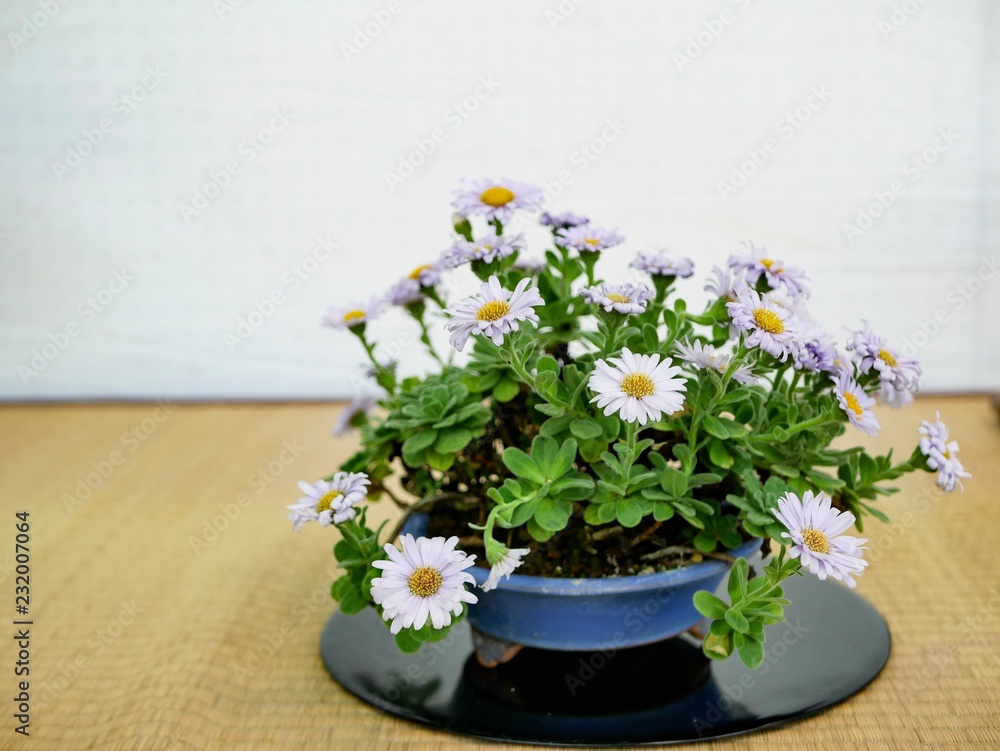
(598, 444)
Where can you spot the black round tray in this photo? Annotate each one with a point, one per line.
(833, 644)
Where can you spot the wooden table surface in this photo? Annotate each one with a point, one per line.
(173, 607)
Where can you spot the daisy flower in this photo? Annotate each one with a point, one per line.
(349, 416)
(725, 283)
(504, 567)
(856, 404)
(872, 352)
(329, 502)
(486, 249)
(495, 200)
(893, 397)
(562, 221)
(756, 263)
(494, 312)
(427, 275)
(405, 292)
(621, 298)
(814, 529)
(705, 356)
(351, 316)
(658, 264)
(815, 351)
(941, 454)
(587, 239)
(639, 387)
(426, 580)
(529, 264)
(767, 325)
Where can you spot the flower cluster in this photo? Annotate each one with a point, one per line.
(610, 422)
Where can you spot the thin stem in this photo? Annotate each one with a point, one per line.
(422, 504)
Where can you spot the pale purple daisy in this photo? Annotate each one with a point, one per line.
(495, 312)
(329, 502)
(815, 351)
(893, 397)
(941, 454)
(725, 283)
(756, 263)
(424, 581)
(703, 356)
(504, 566)
(427, 275)
(621, 298)
(815, 530)
(487, 249)
(495, 199)
(660, 264)
(856, 404)
(354, 413)
(351, 316)
(766, 324)
(639, 387)
(872, 352)
(405, 292)
(588, 239)
(562, 221)
(530, 264)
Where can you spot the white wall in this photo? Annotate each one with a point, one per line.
(561, 71)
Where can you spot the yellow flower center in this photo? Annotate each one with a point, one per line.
(947, 454)
(638, 385)
(493, 311)
(768, 320)
(886, 356)
(415, 274)
(425, 581)
(815, 540)
(353, 315)
(327, 501)
(496, 196)
(592, 241)
(767, 263)
(853, 404)
(615, 297)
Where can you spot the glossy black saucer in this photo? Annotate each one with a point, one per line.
(832, 646)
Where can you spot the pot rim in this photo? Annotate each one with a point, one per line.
(607, 585)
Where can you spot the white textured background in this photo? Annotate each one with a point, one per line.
(561, 70)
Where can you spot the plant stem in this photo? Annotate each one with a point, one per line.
(421, 505)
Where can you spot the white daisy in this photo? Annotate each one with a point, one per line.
(872, 352)
(589, 239)
(703, 356)
(350, 416)
(659, 264)
(941, 454)
(351, 316)
(426, 580)
(725, 283)
(505, 566)
(767, 325)
(494, 312)
(621, 298)
(495, 200)
(639, 387)
(814, 528)
(856, 404)
(329, 502)
(756, 262)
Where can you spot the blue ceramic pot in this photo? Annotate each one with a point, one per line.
(592, 614)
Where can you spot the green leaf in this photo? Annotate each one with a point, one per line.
(553, 515)
(737, 585)
(547, 364)
(717, 647)
(585, 429)
(420, 441)
(506, 390)
(452, 440)
(662, 511)
(440, 462)
(544, 451)
(628, 513)
(737, 620)
(352, 602)
(550, 409)
(709, 605)
(674, 482)
(537, 532)
(718, 454)
(751, 652)
(714, 427)
(406, 642)
(522, 465)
